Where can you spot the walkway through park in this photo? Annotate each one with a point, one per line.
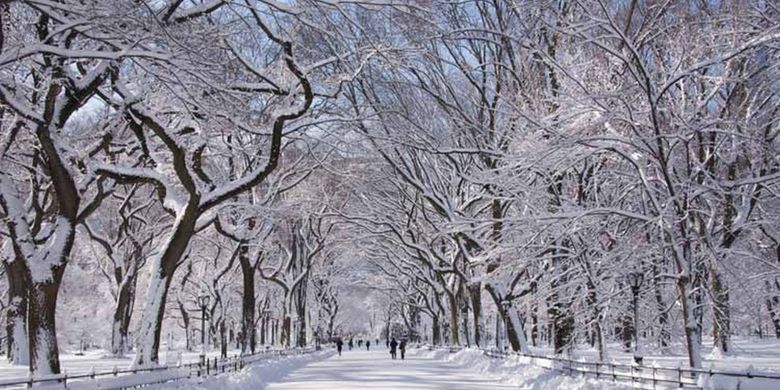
(374, 370)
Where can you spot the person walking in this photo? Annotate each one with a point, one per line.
(368, 345)
(339, 345)
(350, 344)
(393, 346)
(403, 349)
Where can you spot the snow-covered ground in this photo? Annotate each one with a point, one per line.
(760, 355)
(423, 369)
(521, 371)
(254, 377)
(514, 373)
(98, 361)
(360, 369)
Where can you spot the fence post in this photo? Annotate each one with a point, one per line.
(679, 376)
(597, 370)
(711, 375)
(654, 380)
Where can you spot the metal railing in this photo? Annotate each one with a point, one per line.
(117, 379)
(641, 376)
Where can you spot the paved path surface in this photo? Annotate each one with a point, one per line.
(375, 370)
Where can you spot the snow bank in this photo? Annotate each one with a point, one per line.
(254, 377)
(436, 354)
(516, 371)
(722, 382)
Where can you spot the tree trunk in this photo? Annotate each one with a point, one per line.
(300, 309)
(332, 323)
(301, 340)
(664, 336)
(123, 311)
(692, 337)
(223, 341)
(773, 306)
(454, 328)
(286, 331)
(592, 301)
(185, 319)
(597, 332)
(562, 324)
(464, 317)
(163, 269)
(514, 330)
(248, 301)
(16, 313)
(436, 330)
(151, 320)
(475, 291)
(626, 332)
(773, 302)
(44, 352)
(263, 330)
(534, 326)
(697, 292)
(721, 323)
(601, 342)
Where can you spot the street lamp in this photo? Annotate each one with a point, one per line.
(203, 301)
(635, 280)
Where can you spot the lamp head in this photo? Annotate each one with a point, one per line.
(635, 279)
(203, 300)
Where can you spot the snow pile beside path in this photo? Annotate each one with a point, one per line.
(723, 382)
(436, 354)
(254, 377)
(514, 371)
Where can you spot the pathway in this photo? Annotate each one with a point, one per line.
(375, 370)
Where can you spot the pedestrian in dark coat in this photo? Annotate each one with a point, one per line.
(339, 345)
(393, 346)
(403, 349)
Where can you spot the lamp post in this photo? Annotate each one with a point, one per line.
(635, 280)
(203, 301)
